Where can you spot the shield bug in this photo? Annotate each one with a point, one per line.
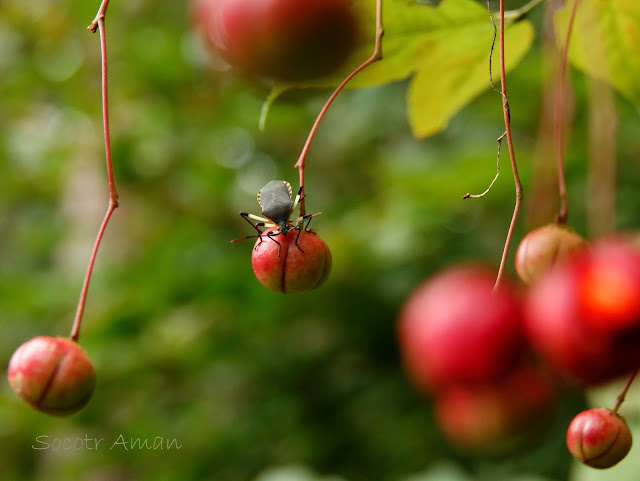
(277, 203)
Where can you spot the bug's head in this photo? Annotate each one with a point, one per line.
(283, 227)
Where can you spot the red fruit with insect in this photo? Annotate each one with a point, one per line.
(499, 417)
(542, 248)
(297, 262)
(583, 317)
(599, 438)
(454, 330)
(53, 375)
(289, 40)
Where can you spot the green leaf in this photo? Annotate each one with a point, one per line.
(605, 42)
(445, 47)
(455, 72)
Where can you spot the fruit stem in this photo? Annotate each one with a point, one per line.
(512, 156)
(558, 121)
(623, 393)
(98, 24)
(375, 56)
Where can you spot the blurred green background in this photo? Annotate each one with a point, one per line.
(187, 345)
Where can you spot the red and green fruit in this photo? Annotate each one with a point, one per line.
(53, 375)
(599, 438)
(454, 330)
(284, 266)
(542, 248)
(288, 40)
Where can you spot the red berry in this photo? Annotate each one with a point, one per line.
(288, 40)
(581, 326)
(454, 329)
(609, 288)
(497, 418)
(599, 438)
(53, 375)
(542, 248)
(290, 268)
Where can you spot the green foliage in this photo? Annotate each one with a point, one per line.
(441, 48)
(606, 43)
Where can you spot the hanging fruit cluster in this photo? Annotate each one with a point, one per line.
(494, 360)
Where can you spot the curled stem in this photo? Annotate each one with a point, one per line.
(512, 156)
(477, 196)
(561, 217)
(98, 24)
(375, 56)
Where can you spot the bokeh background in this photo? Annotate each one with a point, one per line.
(187, 345)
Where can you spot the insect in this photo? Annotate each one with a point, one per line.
(277, 202)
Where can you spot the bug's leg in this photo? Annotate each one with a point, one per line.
(309, 217)
(245, 216)
(271, 236)
(263, 223)
(297, 200)
(298, 237)
(298, 226)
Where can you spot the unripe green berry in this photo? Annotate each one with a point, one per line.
(53, 375)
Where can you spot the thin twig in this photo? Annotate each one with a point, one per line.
(558, 121)
(468, 195)
(512, 155)
(98, 24)
(623, 394)
(375, 56)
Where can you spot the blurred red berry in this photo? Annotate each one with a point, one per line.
(499, 417)
(453, 329)
(583, 317)
(288, 40)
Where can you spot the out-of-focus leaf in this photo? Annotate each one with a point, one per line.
(293, 473)
(453, 73)
(444, 471)
(605, 42)
(447, 47)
